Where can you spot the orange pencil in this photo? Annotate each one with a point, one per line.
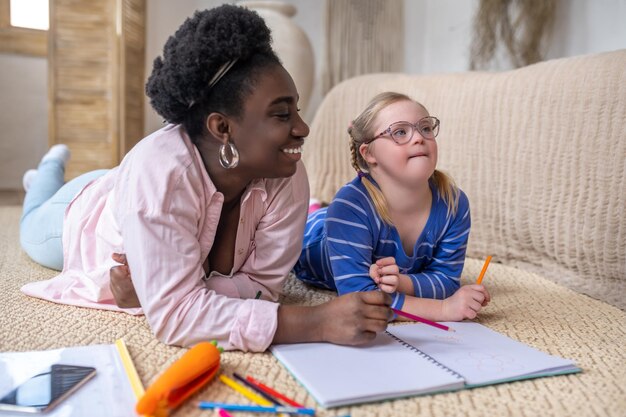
(482, 273)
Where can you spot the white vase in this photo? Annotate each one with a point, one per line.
(290, 43)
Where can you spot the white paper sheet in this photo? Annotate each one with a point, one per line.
(479, 354)
(108, 394)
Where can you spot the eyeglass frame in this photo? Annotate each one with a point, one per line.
(415, 129)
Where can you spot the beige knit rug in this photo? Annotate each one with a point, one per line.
(525, 307)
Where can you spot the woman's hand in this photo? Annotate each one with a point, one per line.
(355, 318)
(121, 283)
(465, 303)
(351, 319)
(386, 274)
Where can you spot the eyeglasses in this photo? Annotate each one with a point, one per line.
(402, 132)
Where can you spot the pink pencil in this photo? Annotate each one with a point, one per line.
(223, 413)
(422, 320)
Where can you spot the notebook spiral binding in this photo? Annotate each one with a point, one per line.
(425, 356)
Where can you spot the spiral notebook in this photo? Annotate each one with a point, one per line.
(415, 359)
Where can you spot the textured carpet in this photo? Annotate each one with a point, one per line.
(525, 307)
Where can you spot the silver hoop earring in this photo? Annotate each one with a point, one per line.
(229, 155)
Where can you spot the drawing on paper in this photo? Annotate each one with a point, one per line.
(448, 339)
(489, 363)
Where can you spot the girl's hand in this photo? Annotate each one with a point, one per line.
(386, 274)
(121, 283)
(465, 303)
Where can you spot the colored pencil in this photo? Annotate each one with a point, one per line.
(129, 368)
(252, 396)
(422, 320)
(258, 390)
(204, 405)
(482, 273)
(223, 413)
(273, 392)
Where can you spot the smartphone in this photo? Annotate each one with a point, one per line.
(43, 391)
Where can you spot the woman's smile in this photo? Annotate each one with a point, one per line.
(293, 153)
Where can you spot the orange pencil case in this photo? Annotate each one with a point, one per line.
(183, 378)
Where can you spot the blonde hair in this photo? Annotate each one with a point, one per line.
(361, 131)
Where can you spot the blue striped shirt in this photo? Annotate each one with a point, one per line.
(344, 239)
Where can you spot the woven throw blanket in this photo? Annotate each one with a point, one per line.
(525, 306)
(545, 180)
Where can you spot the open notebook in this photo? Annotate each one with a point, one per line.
(413, 359)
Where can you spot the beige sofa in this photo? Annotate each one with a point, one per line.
(541, 153)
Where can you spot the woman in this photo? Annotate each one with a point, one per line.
(209, 210)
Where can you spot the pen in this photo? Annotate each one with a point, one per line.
(204, 405)
(482, 273)
(258, 295)
(252, 396)
(422, 320)
(273, 392)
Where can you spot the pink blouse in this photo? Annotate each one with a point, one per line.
(161, 209)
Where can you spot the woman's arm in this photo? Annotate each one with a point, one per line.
(351, 319)
(182, 310)
(121, 284)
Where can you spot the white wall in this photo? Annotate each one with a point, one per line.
(438, 34)
(23, 116)
(588, 26)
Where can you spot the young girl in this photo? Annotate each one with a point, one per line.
(208, 211)
(401, 225)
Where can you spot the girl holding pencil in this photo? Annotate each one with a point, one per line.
(401, 225)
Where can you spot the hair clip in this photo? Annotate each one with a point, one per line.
(221, 72)
(349, 130)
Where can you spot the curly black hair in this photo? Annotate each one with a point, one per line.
(179, 84)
